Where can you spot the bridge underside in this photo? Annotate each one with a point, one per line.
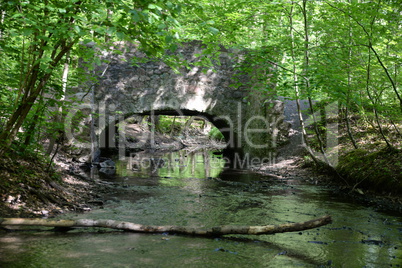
(243, 134)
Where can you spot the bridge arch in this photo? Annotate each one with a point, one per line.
(250, 127)
(109, 137)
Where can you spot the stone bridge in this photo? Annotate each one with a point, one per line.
(249, 122)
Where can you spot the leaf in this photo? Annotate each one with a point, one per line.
(162, 26)
(120, 35)
(174, 21)
(135, 16)
(77, 28)
(213, 30)
(153, 6)
(86, 41)
(27, 32)
(155, 16)
(110, 30)
(168, 38)
(359, 191)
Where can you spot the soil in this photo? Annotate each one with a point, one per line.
(29, 189)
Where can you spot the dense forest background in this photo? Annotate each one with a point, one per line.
(346, 51)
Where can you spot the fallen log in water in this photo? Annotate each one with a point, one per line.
(128, 226)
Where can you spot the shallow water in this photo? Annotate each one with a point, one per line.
(194, 189)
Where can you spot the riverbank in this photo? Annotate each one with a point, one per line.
(370, 169)
(29, 191)
(182, 194)
(30, 186)
(297, 168)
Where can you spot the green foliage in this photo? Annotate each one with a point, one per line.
(347, 52)
(167, 123)
(215, 134)
(38, 37)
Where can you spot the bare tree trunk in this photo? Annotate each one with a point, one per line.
(133, 227)
(29, 133)
(374, 102)
(350, 52)
(348, 128)
(306, 66)
(95, 151)
(2, 16)
(396, 128)
(34, 86)
(296, 88)
(58, 117)
(394, 87)
(369, 33)
(187, 125)
(172, 126)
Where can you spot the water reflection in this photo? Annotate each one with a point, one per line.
(173, 165)
(195, 189)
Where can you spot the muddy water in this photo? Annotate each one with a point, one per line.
(193, 189)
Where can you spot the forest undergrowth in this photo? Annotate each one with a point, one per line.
(368, 163)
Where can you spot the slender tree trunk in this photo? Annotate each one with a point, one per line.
(373, 101)
(2, 16)
(34, 87)
(95, 151)
(350, 52)
(394, 87)
(14, 123)
(306, 142)
(396, 128)
(308, 87)
(59, 115)
(153, 119)
(187, 125)
(29, 133)
(172, 125)
(348, 128)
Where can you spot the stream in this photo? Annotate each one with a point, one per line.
(195, 189)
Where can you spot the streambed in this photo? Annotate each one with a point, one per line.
(195, 189)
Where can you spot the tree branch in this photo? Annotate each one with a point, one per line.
(133, 227)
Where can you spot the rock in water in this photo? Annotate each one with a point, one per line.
(108, 164)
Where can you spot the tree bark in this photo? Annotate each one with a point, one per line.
(133, 227)
(374, 102)
(350, 134)
(33, 88)
(306, 142)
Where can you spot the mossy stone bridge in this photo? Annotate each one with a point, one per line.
(250, 123)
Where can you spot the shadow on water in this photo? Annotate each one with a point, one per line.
(195, 189)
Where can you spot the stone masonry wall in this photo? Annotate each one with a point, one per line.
(124, 89)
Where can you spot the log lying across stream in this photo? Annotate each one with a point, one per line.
(133, 227)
